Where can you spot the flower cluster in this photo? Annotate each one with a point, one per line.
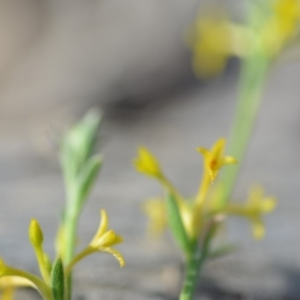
(11, 278)
(205, 207)
(214, 38)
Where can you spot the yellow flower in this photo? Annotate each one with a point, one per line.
(213, 39)
(210, 45)
(256, 206)
(287, 14)
(146, 163)
(102, 241)
(156, 211)
(282, 26)
(214, 158)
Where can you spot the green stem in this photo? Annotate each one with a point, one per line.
(42, 264)
(194, 265)
(254, 71)
(70, 226)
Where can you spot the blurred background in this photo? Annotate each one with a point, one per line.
(60, 57)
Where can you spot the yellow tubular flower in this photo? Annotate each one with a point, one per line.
(156, 211)
(256, 206)
(287, 14)
(282, 25)
(192, 219)
(103, 241)
(147, 164)
(213, 39)
(210, 46)
(214, 158)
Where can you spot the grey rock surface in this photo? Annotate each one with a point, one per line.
(59, 52)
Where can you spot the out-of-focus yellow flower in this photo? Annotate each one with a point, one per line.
(282, 25)
(211, 46)
(214, 158)
(287, 15)
(102, 241)
(147, 164)
(155, 209)
(256, 206)
(192, 212)
(213, 39)
(192, 219)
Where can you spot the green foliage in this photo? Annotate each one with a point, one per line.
(77, 146)
(58, 280)
(176, 225)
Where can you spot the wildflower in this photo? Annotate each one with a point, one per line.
(192, 212)
(213, 39)
(156, 211)
(102, 241)
(287, 15)
(214, 158)
(192, 219)
(146, 163)
(281, 26)
(210, 45)
(256, 206)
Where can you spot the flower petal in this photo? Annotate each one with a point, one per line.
(103, 223)
(116, 254)
(155, 209)
(106, 240)
(146, 163)
(268, 204)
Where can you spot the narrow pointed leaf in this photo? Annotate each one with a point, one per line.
(87, 177)
(58, 280)
(176, 225)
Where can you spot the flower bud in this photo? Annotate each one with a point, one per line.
(35, 233)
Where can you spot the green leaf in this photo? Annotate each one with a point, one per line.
(78, 143)
(82, 137)
(58, 280)
(176, 225)
(87, 177)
